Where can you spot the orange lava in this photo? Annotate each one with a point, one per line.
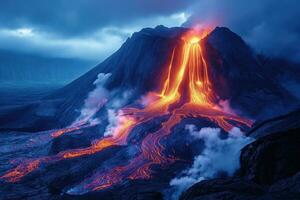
(20, 171)
(63, 131)
(186, 92)
(119, 138)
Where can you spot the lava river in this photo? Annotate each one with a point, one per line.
(186, 92)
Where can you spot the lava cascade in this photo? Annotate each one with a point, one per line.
(186, 92)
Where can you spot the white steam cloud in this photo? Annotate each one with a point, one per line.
(95, 100)
(115, 114)
(115, 119)
(219, 155)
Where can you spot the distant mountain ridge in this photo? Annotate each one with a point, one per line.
(26, 69)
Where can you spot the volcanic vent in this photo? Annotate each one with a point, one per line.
(186, 92)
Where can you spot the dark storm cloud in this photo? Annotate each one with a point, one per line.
(87, 29)
(270, 26)
(93, 29)
(75, 17)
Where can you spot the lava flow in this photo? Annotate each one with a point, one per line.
(186, 92)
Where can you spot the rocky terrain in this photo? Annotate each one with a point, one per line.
(270, 168)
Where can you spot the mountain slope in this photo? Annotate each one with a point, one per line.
(138, 64)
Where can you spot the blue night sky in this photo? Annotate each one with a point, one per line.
(93, 29)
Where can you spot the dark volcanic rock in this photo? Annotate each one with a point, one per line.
(241, 189)
(32, 117)
(76, 139)
(269, 169)
(129, 191)
(272, 158)
(237, 75)
(229, 188)
(286, 189)
(277, 124)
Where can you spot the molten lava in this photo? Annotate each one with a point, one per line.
(186, 92)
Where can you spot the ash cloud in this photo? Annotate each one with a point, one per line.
(270, 26)
(207, 165)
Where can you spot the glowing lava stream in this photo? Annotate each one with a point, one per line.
(186, 92)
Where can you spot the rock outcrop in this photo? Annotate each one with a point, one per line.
(270, 169)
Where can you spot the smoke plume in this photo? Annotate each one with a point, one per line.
(115, 119)
(207, 165)
(95, 100)
(114, 113)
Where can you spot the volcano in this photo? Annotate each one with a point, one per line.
(121, 127)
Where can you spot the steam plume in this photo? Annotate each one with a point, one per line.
(95, 100)
(207, 165)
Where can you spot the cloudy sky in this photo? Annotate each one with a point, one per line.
(93, 29)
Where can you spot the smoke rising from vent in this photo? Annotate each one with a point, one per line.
(95, 100)
(114, 113)
(207, 165)
(115, 120)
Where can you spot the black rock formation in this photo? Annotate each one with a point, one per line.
(272, 158)
(270, 169)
